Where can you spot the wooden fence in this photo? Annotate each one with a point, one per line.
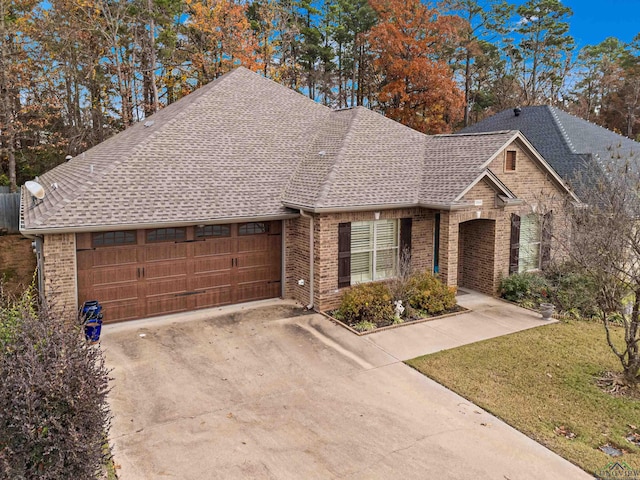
(9, 212)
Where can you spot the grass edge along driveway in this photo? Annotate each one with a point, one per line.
(542, 382)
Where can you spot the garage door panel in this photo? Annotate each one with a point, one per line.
(112, 293)
(165, 270)
(120, 310)
(165, 251)
(212, 264)
(214, 297)
(110, 276)
(107, 257)
(259, 274)
(257, 291)
(253, 243)
(212, 246)
(166, 304)
(203, 281)
(167, 286)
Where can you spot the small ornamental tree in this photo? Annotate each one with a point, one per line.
(603, 238)
(54, 415)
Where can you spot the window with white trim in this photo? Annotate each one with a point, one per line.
(374, 250)
(530, 243)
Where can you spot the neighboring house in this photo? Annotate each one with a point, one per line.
(571, 145)
(220, 198)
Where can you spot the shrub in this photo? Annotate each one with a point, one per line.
(367, 303)
(54, 414)
(525, 288)
(428, 294)
(572, 291)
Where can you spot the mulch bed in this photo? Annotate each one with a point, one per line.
(457, 310)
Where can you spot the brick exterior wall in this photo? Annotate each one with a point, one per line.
(530, 183)
(59, 269)
(327, 294)
(476, 258)
(296, 238)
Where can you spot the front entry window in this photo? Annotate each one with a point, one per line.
(374, 250)
(530, 236)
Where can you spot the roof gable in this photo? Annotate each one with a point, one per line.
(569, 144)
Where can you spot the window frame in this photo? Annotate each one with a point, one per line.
(265, 228)
(130, 237)
(525, 244)
(506, 161)
(217, 231)
(165, 236)
(373, 251)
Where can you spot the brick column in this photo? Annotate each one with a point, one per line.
(448, 248)
(60, 271)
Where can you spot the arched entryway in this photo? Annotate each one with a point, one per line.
(476, 255)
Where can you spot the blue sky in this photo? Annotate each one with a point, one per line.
(595, 20)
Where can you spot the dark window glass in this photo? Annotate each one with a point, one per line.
(166, 235)
(511, 161)
(106, 239)
(213, 231)
(253, 228)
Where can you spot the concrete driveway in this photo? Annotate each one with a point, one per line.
(271, 393)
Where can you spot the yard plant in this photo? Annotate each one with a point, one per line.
(367, 306)
(54, 414)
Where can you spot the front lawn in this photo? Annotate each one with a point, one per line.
(543, 382)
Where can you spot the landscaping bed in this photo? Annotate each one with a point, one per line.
(371, 307)
(545, 383)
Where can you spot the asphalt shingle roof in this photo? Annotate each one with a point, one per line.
(568, 143)
(453, 162)
(244, 146)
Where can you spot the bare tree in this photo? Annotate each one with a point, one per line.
(602, 236)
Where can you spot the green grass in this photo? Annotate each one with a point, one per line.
(543, 378)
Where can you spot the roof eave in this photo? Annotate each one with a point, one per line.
(142, 226)
(373, 207)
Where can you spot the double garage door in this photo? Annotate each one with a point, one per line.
(143, 273)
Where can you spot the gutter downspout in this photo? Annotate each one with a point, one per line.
(311, 255)
(37, 249)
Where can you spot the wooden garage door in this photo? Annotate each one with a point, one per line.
(137, 274)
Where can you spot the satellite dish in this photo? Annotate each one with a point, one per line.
(35, 189)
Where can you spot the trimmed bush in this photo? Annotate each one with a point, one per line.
(529, 289)
(428, 294)
(571, 291)
(367, 303)
(54, 415)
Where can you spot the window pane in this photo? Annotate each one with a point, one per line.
(361, 236)
(386, 234)
(253, 228)
(361, 267)
(114, 238)
(386, 263)
(166, 234)
(529, 243)
(213, 231)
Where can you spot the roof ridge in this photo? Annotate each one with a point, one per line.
(323, 192)
(470, 134)
(312, 143)
(561, 128)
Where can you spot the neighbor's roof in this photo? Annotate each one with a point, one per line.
(567, 142)
(246, 147)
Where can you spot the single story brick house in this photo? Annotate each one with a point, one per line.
(247, 190)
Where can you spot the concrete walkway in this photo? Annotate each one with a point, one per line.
(269, 393)
(488, 318)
